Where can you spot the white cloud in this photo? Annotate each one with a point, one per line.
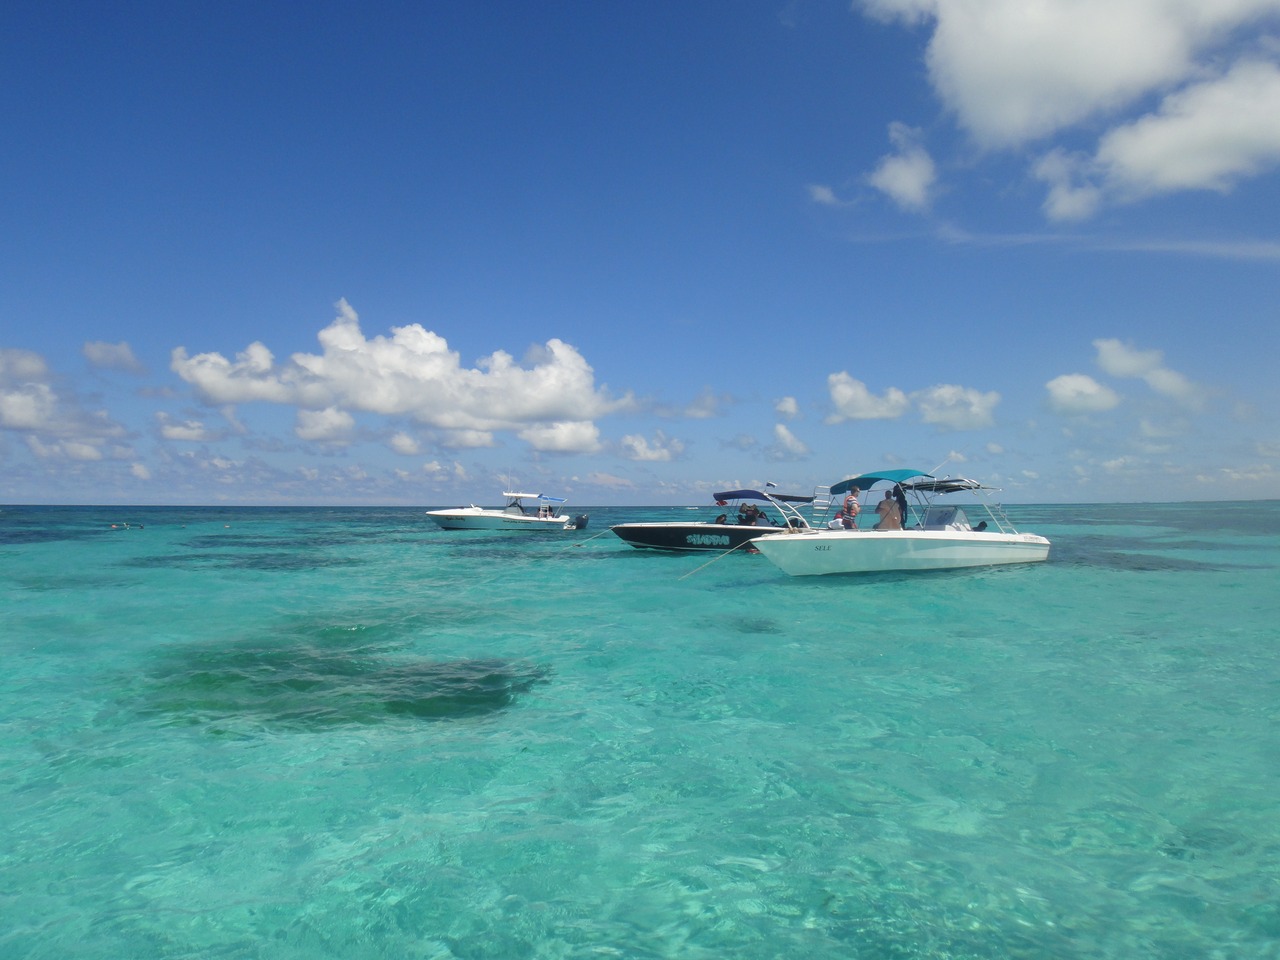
(189, 430)
(467, 439)
(28, 406)
(329, 425)
(908, 176)
(112, 356)
(27, 400)
(403, 443)
(570, 436)
(1124, 360)
(785, 442)
(140, 471)
(413, 373)
(1014, 72)
(33, 402)
(707, 405)
(853, 401)
(823, 195)
(1079, 393)
(82, 450)
(959, 408)
(662, 449)
(600, 479)
(1066, 199)
(787, 407)
(1205, 137)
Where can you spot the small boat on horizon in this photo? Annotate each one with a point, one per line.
(514, 517)
(932, 536)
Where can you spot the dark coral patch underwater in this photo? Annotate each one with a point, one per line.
(305, 688)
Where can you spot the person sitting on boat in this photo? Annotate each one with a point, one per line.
(721, 519)
(890, 515)
(748, 514)
(849, 512)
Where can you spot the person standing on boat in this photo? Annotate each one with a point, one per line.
(849, 513)
(889, 513)
(901, 499)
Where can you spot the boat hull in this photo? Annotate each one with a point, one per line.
(688, 536)
(496, 520)
(877, 551)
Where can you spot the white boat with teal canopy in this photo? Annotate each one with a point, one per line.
(937, 532)
(542, 514)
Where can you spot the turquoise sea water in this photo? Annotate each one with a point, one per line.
(343, 733)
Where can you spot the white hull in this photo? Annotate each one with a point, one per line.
(476, 518)
(873, 551)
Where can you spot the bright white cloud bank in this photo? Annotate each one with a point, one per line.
(550, 400)
(1187, 91)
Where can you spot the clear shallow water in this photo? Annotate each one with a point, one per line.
(344, 733)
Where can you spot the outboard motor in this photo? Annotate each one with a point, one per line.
(579, 522)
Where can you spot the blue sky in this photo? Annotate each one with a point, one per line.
(393, 253)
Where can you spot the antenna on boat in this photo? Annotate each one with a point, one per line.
(934, 471)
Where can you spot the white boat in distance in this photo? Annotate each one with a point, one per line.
(934, 536)
(515, 516)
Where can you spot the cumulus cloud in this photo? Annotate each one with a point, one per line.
(1183, 104)
(68, 449)
(189, 430)
(329, 425)
(786, 445)
(27, 400)
(946, 405)
(411, 373)
(955, 407)
(34, 402)
(907, 177)
(570, 436)
(112, 356)
(852, 400)
(1204, 137)
(787, 407)
(1079, 393)
(1124, 360)
(634, 446)
(404, 444)
(1208, 136)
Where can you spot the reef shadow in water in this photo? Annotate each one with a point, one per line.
(304, 688)
(1137, 561)
(285, 562)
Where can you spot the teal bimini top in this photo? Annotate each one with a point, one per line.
(867, 479)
